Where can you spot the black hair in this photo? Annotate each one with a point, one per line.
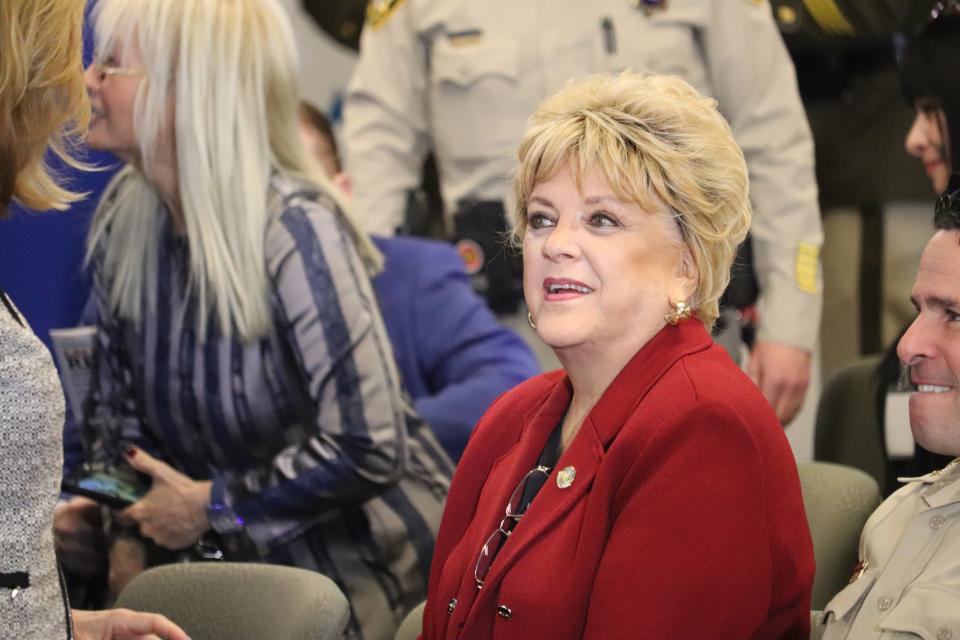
(929, 69)
(946, 215)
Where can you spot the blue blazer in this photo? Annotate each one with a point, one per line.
(453, 356)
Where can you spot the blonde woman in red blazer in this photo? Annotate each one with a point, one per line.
(646, 490)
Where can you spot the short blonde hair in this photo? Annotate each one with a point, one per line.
(658, 143)
(43, 102)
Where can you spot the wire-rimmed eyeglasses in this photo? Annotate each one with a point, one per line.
(106, 67)
(516, 508)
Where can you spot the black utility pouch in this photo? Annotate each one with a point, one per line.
(480, 235)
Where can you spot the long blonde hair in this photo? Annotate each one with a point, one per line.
(654, 138)
(229, 68)
(43, 103)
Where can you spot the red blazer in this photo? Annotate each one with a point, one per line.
(684, 519)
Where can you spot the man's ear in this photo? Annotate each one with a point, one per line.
(343, 182)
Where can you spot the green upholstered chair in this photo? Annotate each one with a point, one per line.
(847, 428)
(228, 601)
(816, 629)
(838, 500)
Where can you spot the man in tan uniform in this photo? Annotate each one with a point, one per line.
(908, 582)
(461, 77)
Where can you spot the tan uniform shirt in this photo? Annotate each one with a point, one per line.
(910, 587)
(462, 77)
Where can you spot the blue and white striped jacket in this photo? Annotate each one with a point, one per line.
(305, 431)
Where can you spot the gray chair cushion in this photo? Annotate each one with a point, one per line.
(838, 500)
(228, 601)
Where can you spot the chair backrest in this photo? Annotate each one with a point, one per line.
(816, 629)
(838, 500)
(227, 601)
(848, 427)
(412, 625)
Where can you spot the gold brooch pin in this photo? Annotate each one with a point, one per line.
(566, 476)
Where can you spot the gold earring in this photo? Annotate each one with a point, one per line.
(681, 311)
(533, 325)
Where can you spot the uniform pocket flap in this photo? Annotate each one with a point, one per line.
(847, 599)
(930, 611)
(464, 64)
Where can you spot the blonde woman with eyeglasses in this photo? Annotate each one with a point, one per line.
(42, 106)
(241, 351)
(646, 489)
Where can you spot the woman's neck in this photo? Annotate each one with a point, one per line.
(163, 177)
(590, 376)
(592, 370)
(163, 173)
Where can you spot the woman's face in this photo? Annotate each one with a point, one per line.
(598, 271)
(927, 140)
(112, 83)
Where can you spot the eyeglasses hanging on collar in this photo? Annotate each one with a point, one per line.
(516, 508)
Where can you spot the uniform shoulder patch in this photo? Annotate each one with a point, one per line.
(380, 11)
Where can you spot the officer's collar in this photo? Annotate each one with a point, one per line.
(941, 486)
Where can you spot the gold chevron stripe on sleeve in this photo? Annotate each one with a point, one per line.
(807, 267)
(379, 11)
(829, 17)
